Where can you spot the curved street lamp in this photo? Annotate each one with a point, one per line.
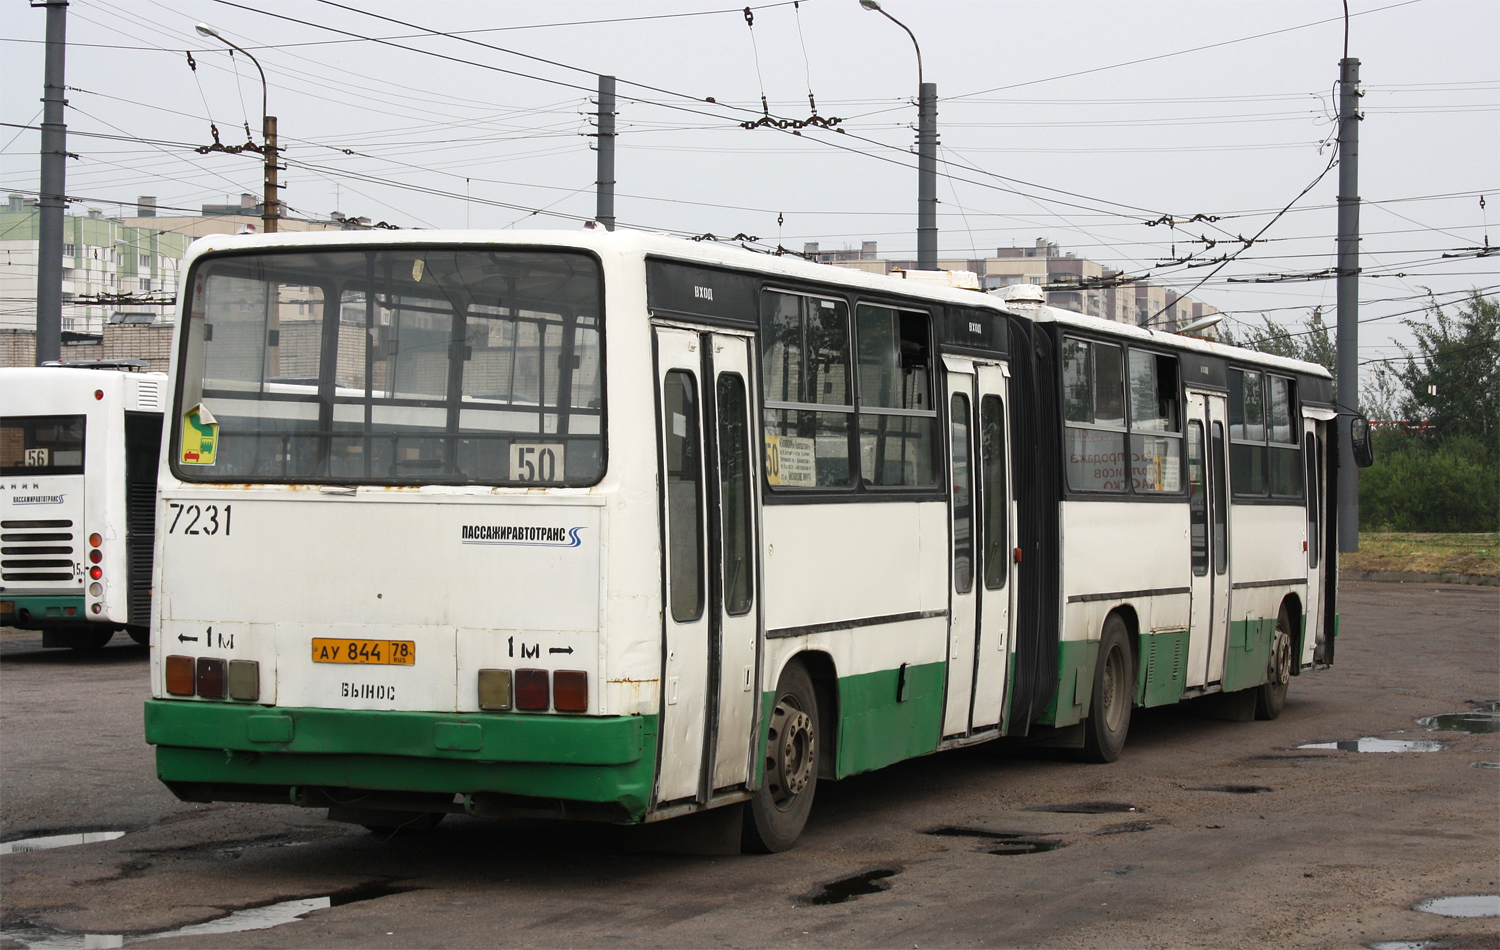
(926, 153)
(270, 206)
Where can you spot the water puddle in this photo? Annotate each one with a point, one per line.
(1124, 828)
(848, 888)
(1372, 744)
(1001, 842)
(1086, 808)
(251, 918)
(48, 842)
(1437, 943)
(1470, 905)
(1234, 789)
(1484, 765)
(1482, 719)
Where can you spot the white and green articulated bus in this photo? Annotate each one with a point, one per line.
(623, 528)
(79, 446)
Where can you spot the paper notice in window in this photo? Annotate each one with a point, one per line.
(791, 461)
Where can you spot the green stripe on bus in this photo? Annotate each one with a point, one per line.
(47, 607)
(1248, 656)
(1075, 683)
(875, 730)
(501, 737)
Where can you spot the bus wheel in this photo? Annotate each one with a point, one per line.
(1114, 682)
(778, 809)
(1270, 697)
(93, 640)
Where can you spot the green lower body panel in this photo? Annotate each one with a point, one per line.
(1248, 654)
(1075, 683)
(878, 727)
(1163, 669)
(588, 759)
(42, 611)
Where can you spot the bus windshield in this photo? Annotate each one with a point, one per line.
(41, 445)
(393, 365)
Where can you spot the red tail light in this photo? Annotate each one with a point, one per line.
(96, 572)
(532, 690)
(211, 678)
(570, 691)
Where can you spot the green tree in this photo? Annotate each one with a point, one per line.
(1451, 379)
(1313, 343)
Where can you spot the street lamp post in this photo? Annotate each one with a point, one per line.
(270, 205)
(926, 153)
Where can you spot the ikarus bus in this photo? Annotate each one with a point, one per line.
(78, 461)
(623, 528)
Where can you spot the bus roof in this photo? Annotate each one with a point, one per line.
(718, 254)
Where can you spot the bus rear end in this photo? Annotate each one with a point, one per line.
(381, 536)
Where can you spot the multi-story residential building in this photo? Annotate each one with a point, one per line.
(110, 268)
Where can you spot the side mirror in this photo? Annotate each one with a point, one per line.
(1360, 442)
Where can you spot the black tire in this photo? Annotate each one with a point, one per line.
(93, 640)
(140, 635)
(779, 808)
(1270, 696)
(1114, 692)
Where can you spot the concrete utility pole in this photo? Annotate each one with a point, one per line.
(53, 198)
(1348, 301)
(927, 139)
(605, 186)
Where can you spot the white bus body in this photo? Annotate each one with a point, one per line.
(78, 461)
(625, 528)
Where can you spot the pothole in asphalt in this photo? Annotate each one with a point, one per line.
(848, 888)
(1483, 718)
(1234, 789)
(1372, 744)
(1001, 842)
(251, 918)
(48, 842)
(1469, 905)
(1086, 808)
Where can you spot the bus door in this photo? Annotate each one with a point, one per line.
(1312, 460)
(1208, 516)
(979, 632)
(708, 501)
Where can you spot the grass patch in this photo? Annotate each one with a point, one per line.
(1421, 553)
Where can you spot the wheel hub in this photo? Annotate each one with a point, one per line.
(791, 752)
(1281, 659)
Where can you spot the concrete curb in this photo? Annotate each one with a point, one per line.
(1413, 577)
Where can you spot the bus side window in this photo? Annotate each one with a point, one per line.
(1220, 502)
(1197, 498)
(963, 508)
(734, 489)
(684, 495)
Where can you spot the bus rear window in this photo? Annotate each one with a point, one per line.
(41, 445)
(394, 366)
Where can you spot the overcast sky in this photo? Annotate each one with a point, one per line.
(1077, 122)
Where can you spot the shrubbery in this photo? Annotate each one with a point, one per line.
(1418, 485)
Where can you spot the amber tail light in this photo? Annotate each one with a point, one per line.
(570, 691)
(180, 675)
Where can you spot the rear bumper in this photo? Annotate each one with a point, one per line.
(572, 758)
(40, 611)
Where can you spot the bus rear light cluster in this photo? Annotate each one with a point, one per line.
(96, 572)
(534, 690)
(213, 678)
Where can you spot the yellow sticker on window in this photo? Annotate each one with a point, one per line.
(200, 436)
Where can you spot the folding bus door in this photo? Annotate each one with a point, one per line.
(709, 574)
(1208, 517)
(980, 518)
